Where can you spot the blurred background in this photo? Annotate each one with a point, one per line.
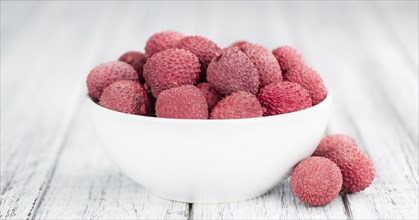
(367, 53)
(72, 37)
(96, 32)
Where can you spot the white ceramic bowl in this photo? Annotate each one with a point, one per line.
(209, 161)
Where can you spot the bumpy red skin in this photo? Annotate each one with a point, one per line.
(232, 71)
(330, 141)
(136, 60)
(184, 102)
(287, 57)
(357, 169)
(211, 95)
(316, 181)
(239, 43)
(283, 97)
(265, 62)
(202, 47)
(125, 96)
(171, 68)
(237, 105)
(162, 41)
(310, 80)
(107, 73)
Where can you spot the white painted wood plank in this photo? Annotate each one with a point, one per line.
(401, 18)
(86, 185)
(41, 98)
(80, 45)
(279, 203)
(375, 100)
(36, 114)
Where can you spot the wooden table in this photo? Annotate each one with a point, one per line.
(53, 168)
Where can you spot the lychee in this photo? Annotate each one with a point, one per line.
(357, 169)
(136, 60)
(283, 97)
(287, 57)
(125, 96)
(107, 73)
(162, 41)
(211, 95)
(265, 62)
(331, 141)
(237, 105)
(310, 80)
(232, 71)
(183, 102)
(171, 68)
(239, 44)
(202, 47)
(316, 181)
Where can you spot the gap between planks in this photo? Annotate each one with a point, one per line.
(45, 186)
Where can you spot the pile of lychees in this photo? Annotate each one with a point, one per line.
(336, 165)
(190, 77)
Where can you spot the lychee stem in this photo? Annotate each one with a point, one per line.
(217, 55)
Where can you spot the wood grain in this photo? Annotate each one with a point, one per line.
(52, 167)
(88, 186)
(368, 105)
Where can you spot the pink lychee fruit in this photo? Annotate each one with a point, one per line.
(310, 80)
(232, 71)
(265, 62)
(183, 102)
(162, 41)
(287, 57)
(211, 95)
(237, 105)
(125, 96)
(171, 68)
(202, 47)
(357, 169)
(136, 60)
(283, 97)
(316, 181)
(107, 73)
(239, 43)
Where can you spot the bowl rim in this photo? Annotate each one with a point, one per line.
(325, 101)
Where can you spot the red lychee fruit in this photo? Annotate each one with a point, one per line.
(239, 44)
(125, 96)
(136, 60)
(310, 80)
(283, 97)
(331, 141)
(183, 102)
(162, 41)
(107, 73)
(237, 105)
(211, 95)
(357, 169)
(232, 71)
(203, 48)
(171, 68)
(265, 62)
(287, 58)
(316, 181)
